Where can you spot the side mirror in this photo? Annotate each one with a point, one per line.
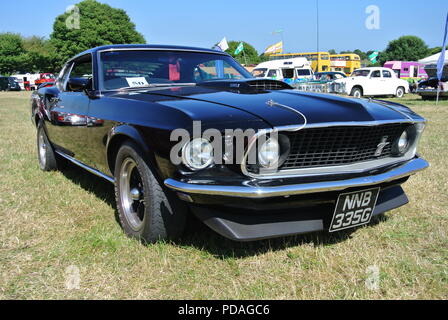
(79, 84)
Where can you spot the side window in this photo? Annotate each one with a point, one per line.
(288, 73)
(272, 74)
(387, 74)
(376, 74)
(62, 77)
(82, 68)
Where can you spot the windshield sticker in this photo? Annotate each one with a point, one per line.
(136, 82)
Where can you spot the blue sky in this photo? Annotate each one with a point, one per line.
(204, 22)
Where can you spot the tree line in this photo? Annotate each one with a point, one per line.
(405, 48)
(100, 24)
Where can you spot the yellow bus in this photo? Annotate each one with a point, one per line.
(320, 61)
(345, 62)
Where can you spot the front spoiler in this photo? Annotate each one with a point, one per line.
(240, 225)
(256, 192)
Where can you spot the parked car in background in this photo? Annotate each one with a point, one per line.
(9, 84)
(427, 89)
(47, 78)
(161, 123)
(373, 81)
(325, 77)
(287, 70)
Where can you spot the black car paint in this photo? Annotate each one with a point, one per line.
(148, 116)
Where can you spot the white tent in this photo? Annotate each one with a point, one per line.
(434, 59)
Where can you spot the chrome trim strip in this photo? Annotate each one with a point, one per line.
(321, 170)
(247, 191)
(86, 167)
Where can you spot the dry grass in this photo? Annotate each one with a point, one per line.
(51, 221)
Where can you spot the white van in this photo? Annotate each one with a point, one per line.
(296, 69)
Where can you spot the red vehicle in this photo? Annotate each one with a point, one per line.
(45, 78)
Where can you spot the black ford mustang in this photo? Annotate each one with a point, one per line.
(183, 131)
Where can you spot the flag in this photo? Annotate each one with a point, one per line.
(223, 45)
(441, 61)
(373, 56)
(239, 48)
(275, 48)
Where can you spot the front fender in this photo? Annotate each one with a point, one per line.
(120, 134)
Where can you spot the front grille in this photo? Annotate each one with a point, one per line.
(335, 146)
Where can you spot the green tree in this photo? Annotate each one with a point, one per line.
(332, 51)
(12, 54)
(99, 24)
(435, 50)
(249, 54)
(361, 54)
(40, 54)
(406, 48)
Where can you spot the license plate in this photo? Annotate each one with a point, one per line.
(354, 209)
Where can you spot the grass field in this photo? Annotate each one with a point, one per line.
(56, 226)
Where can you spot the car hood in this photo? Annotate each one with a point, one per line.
(317, 108)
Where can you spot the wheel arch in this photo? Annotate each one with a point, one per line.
(358, 86)
(120, 135)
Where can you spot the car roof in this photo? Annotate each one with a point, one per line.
(374, 68)
(146, 47)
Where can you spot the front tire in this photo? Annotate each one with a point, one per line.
(356, 92)
(400, 92)
(45, 152)
(145, 210)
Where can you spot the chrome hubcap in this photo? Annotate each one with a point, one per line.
(42, 149)
(131, 194)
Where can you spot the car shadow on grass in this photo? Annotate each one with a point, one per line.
(101, 188)
(199, 236)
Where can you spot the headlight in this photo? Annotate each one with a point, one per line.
(403, 143)
(406, 144)
(268, 154)
(197, 154)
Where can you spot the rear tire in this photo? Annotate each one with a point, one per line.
(45, 152)
(146, 211)
(356, 92)
(400, 92)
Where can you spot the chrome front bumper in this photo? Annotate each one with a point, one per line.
(249, 191)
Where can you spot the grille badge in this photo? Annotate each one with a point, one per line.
(381, 146)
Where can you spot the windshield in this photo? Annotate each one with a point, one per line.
(259, 73)
(142, 68)
(360, 73)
